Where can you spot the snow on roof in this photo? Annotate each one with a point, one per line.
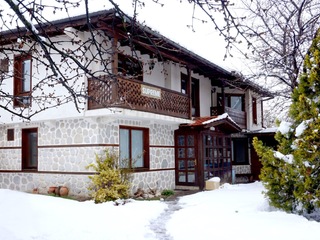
(268, 130)
(217, 118)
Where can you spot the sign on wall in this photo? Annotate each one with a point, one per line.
(152, 92)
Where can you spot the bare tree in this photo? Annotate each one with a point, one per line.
(274, 36)
(275, 33)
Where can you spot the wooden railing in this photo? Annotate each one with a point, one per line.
(105, 92)
(238, 116)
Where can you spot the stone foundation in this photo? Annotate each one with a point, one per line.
(70, 145)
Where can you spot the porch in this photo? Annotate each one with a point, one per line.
(106, 91)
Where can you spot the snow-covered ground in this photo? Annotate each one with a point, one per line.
(231, 212)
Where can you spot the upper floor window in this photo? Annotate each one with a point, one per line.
(130, 67)
(233, 101)
(22, 81)
(134, 147)
(193, 90)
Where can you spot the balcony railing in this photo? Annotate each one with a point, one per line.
(105, 92)
(238, 116)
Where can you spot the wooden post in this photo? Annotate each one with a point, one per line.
(189, 92)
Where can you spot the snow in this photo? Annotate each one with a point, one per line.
(287, 158)
(218, 118)
(215, 179)
(301, 127)
(231, 212)
(284, 127)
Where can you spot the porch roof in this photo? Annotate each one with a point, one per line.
(116, 23)
(223, 122)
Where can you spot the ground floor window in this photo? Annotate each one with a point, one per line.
(240, 151)
(134, 147)
(30, 149)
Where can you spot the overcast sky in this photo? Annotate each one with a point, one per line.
(172, 21)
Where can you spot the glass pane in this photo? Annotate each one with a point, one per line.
(191, 165)
(191, 177)
(190, 152)
(26, 84)
(32, 138)
(181, 153)
(137, 148)
(190, 140)
(124, 146)
(236, 102)
(181, 165)
(181, 140)
(182, 177)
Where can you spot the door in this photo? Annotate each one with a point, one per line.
(217, 156)
(186, 158)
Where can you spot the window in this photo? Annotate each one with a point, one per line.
(10, 135)
(22, 81)
(30, 149)
(134, 147)
(195, 99)
(254, 110)
(184, 83)
(130, 67)
(240, 151)
(235, 102)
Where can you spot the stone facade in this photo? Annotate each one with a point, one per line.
(66, 147)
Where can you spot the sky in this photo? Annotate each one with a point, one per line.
(171, 20)
(231, 212)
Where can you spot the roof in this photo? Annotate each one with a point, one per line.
(144, 39)
(265, 131)
(223, 121)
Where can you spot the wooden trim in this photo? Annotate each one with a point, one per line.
(47, 172)
(160, 146)
(66, 146)
(80, 173)
(79, 145)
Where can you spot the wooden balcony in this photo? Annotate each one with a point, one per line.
(106, 92)
(238, 116)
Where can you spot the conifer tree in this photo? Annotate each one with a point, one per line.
(291, 174)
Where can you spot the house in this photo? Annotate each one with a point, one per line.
(178, 117)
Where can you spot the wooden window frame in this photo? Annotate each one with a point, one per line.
(228, 100)
(19, 94)
(26, 150)
(146, 157)
(10, 134)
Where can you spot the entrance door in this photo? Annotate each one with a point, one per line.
(186, 159)
(217, 156)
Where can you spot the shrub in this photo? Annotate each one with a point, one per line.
(112, 180)
(167, 192)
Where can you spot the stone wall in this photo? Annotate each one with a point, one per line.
(67, 146)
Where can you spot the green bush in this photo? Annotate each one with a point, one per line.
(112, 180)
(167, 192)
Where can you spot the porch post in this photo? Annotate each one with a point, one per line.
(189, 91)
(223, 98)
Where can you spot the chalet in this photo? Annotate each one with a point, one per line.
(180, 118)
